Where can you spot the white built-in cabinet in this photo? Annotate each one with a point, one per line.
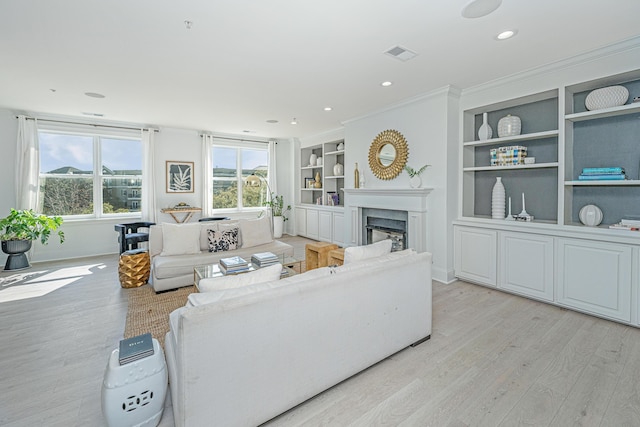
(555, 258)
(475, 255)
(591, 276)
(595, 277)
(318, 216)
(526, 264)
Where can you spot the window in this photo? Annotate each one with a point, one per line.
(89, 174)
(231, 165)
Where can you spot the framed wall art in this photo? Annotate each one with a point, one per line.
(179, 177)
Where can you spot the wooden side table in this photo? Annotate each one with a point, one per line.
(336, 257)
(134, 268)
(317, 254)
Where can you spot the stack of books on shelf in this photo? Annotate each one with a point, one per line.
(602, 174)
(264, 259)
(135, 348)
(233, 265)
(627, 224)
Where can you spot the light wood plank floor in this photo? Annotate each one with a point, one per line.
(494, 360)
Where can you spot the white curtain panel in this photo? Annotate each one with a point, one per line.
(273, 182)
(148, 173)
(207, 168)
(28, 164)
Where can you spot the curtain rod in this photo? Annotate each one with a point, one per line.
(236, 139)
(87, 124)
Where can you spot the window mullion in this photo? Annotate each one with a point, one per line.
(239, 177)
(97, 177)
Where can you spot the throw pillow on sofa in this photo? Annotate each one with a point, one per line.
(223, 240)
(255, 231)
(180, 239)
(357, 253)
(261, 275)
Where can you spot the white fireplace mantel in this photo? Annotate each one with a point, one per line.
(412, 200)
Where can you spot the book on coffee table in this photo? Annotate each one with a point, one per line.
(264, 259)
(135, 348)
(234, 264)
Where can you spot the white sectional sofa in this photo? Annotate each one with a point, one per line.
(241, 356)
(175, 249)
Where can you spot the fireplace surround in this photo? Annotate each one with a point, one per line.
(393, 205)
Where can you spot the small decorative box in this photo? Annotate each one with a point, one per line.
(508, 156)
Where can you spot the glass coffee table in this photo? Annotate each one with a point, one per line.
(289, 267)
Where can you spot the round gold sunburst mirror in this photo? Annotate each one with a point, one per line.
(388, 154)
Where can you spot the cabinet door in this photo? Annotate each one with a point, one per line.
(526, 264)
(338, 229)
(324, 226)
(475, 255)
(595, 277)
(312, 224)
(301, 222)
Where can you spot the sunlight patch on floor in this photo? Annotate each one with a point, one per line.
(32, 284)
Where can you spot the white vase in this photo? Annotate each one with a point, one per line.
(485, 131)
(313, 159)
(498, 198)
(509, 126)
(319, 161)
(338, 169)
(278, 226)
(415, 181)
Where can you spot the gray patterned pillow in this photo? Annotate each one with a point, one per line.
(226, 240)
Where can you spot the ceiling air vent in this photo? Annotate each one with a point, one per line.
(401, 53)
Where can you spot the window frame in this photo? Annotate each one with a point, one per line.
(98, 176)
(239, 146)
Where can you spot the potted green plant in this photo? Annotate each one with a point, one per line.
(19, 229)
(414, 175)
(276, 204)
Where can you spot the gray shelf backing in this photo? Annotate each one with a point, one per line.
(615, 202)
(542, 204)
(536, 116)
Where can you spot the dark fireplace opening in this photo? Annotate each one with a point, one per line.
(381, 224)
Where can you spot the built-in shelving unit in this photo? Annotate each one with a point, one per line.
(330, 183)
(540, 134)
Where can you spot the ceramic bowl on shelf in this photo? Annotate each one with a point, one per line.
(606, 97)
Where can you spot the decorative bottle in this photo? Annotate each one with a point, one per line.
(356, 177)
(362, 180)
(498, 197)
(485, 131)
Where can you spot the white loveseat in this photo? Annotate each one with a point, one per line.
(241, 356)
(175, 249)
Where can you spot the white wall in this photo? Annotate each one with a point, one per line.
(431, 134)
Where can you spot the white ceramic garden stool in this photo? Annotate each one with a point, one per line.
(134, 394)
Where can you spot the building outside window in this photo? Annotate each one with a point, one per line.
(232, 164)
(89, 174)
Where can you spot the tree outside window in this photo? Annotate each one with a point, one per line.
(231, 165)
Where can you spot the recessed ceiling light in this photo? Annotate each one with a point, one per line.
(94, 95)
(188, 24)
(294, 121)
(506, 34)
(328, 108)
(272, 121)
(480, 8)
(385, 84)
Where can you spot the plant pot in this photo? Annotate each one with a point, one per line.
(278, 226)
(415, 181)
(16, 249)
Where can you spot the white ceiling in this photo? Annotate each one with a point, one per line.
(245, 62)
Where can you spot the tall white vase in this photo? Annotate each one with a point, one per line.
(498, 197)
(278, 226)
(485, 131)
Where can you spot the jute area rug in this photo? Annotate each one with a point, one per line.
(149, 312)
